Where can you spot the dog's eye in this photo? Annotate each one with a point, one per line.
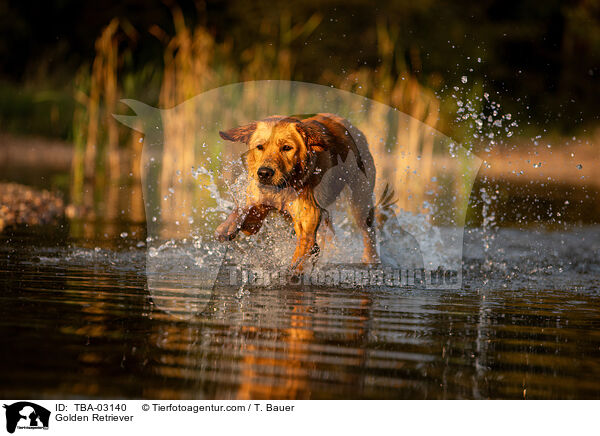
(286, 147)
(260, 146)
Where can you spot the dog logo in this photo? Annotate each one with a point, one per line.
(360, 181)
(26, 415)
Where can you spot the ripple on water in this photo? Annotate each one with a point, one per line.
(80, 322)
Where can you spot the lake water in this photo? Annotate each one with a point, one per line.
(77, 321)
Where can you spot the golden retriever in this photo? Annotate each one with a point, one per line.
(299, 167)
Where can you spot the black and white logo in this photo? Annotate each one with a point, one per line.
(26, 415)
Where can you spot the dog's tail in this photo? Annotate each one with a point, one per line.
(384, 208)
(387, 198)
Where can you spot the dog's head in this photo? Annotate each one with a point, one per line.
(281, 150)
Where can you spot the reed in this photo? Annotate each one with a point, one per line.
(102, 156)
(95, 132)
(409, 139)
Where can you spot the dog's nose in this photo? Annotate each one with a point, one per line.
(265, 173)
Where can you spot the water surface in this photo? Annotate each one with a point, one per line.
(77, 321)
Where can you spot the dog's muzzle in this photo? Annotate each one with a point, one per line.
(265, 174)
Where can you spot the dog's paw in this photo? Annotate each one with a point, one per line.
(226, 231)
(369, 259)
(296, 269)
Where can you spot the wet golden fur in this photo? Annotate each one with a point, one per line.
(299, 167)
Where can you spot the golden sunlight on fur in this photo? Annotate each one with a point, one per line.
(299, 167)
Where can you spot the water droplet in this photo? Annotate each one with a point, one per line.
(463, 79)
(124, 235)
(579, 166)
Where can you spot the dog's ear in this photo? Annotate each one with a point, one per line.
(239, 134)
(313, 134)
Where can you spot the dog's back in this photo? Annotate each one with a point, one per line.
(351, 162)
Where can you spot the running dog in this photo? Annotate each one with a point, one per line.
(299, 166)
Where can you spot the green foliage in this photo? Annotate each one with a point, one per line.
(538, 58)
(36, 109)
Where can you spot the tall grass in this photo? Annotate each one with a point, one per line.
(106, 156)
(96, 164)
(194, 62)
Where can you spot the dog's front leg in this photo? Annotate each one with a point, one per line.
(254, 219)
(228, 229)
(248, 219)
(307, 217)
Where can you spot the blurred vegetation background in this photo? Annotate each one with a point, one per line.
(65, 64)
(540, 55)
